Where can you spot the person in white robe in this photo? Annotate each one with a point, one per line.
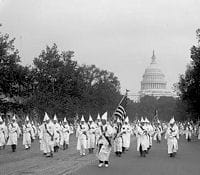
(3, 134)
(57, 134)
(157, 132)
(188, 132)
(143, 139)
(65, 134)
(13, 134)
(82, 133)
(117, 137)
(198, 131)
(91, 135)
(104, 142)
(98, 128)
(150, 132)
(27, 133)
(126, 136)
(48, 134)
(41, 138)
(172, 137)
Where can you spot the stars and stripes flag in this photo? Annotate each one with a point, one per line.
(120, 111)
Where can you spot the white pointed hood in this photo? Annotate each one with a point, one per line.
(82, 119)
(146, 120)
(142, 120)
(46, 117)
(14, 117)
(118, 120)
(1, 119)
(126, 119)
(98, 117)
(65, 120)
(90, 119)
(105, 116)
(27, 118)
(172, 120)
(55, 118)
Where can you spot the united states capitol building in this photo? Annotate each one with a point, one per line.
(153, 82)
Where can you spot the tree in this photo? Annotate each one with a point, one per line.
(14, 80)
(189, 83)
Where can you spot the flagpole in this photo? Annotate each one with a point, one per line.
(121, 101)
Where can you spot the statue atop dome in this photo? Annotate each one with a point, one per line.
(153, 58)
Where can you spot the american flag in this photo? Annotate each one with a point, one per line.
(120, 111)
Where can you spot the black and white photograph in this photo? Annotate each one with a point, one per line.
(99, 87)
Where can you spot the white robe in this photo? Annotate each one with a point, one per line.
(142, 138)
(65, 134)
(82, 137)
(117, 140)
(103, 152)
(3, 134)
(91, 135)
(57, 134)
(13, 133)
(172, 136)
(27, 134)
(48, 134)
(126, 136)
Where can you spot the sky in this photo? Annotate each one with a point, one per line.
(116, 35)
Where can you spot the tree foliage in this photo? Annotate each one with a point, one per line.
(189, 83)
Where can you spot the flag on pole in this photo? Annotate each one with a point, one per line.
(120, 111)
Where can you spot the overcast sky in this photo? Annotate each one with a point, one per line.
(117, 35)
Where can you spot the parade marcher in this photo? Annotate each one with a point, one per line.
(57, 134)
(157, 132)
(34, 129)
(27, 133)
(118, 140)
(13, 134)
(172, 138)
(41, 138)
(98, 128)
(3, 134)
(188, 131)
(48, 134)
(82, 137)
(198, 131)
(150, 132)
(104, 142)
(65, 134)
(126, 136)
(142, 140)
(91, 135)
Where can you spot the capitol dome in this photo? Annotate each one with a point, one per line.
(153, 82)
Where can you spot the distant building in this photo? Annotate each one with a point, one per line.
(153, 82)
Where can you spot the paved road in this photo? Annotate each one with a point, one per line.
(69, 162)
(157, 162)
(32, 162)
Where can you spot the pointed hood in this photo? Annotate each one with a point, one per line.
(105, 116)
(118, 120)
(65, 120)
(55, 118)
(1, 119)
(126, 119)
(27, 118)
(90, 119)
(146, 120)
(172, 121)
(98, 117)
(142, 120)
(14, 117)
(46, 117)
(82, 119)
